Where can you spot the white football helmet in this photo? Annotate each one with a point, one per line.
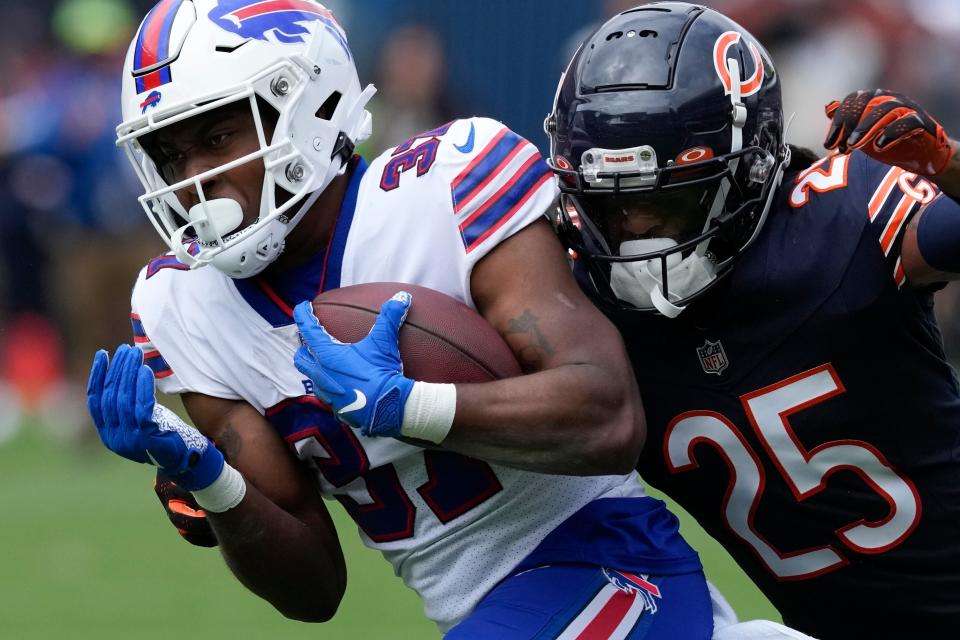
(192, 56)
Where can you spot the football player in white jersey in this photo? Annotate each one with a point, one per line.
(241, 117)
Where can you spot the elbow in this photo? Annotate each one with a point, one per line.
(316, 604)
(617, 446)
(321, 610)
(308, 616)
(620, 431)
(623, 449)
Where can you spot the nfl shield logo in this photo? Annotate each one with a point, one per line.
(713, 359)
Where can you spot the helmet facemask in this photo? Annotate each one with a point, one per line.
(657, 239)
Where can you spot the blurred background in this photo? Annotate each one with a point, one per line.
(85, 551)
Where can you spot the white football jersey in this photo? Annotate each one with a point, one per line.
(423, 213)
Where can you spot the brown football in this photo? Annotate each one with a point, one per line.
(442, 340)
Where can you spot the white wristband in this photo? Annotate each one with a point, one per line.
(428, 414)
(225, 493)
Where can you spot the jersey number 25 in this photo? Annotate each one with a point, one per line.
(805, 471)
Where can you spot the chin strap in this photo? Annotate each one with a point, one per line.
(364, 122)
(738, 109)
(346, 143)
(663, 305)
(362, 127)
(348, 138)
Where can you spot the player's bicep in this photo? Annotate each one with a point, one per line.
(525, 289)
(251, 446)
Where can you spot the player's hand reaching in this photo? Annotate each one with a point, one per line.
(120, 398)
(890, 127)
(362, 382)
(184, 513)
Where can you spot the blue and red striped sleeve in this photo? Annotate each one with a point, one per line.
(499, 184)
(151, 355)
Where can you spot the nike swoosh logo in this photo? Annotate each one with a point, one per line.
(467, 146)
(356, 405)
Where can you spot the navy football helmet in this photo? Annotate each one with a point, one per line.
(667, 138)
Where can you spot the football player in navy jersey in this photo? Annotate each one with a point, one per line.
(778, 313)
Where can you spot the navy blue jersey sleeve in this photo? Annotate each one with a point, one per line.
(872, 198)
(890, 196)
(937, 234)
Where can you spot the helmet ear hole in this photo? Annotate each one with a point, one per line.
(329, 106)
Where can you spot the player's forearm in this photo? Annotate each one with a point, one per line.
(279, 539)
(949, 179)
(573, 419)
(279, 557)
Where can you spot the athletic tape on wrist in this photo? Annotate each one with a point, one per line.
(428, 414)
(225, 493)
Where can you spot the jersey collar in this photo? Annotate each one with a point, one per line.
(274, 300)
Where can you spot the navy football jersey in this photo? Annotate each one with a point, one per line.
(805, 415)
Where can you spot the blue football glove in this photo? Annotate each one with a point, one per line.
(130, 423)
(362, 382)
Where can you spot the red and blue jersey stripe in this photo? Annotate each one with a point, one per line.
(139, 333)
(157, 364)
(492, 166)
(151, 357)
(165, 262)
(153, 45)
(169, 261)
(489, 163)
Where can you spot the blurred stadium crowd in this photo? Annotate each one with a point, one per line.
(72, 235)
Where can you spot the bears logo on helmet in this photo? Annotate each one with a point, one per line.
(749, 86)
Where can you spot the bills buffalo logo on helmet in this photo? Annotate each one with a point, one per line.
(282, 18)
(152, 100)
(747, 87)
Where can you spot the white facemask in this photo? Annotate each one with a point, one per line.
(641, 284)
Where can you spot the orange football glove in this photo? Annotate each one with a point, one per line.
(890, 127)
(184, 512)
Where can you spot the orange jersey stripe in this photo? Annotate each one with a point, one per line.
(884, 189)
(898, 275)
(895, 223)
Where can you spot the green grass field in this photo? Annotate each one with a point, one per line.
(87, 552)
